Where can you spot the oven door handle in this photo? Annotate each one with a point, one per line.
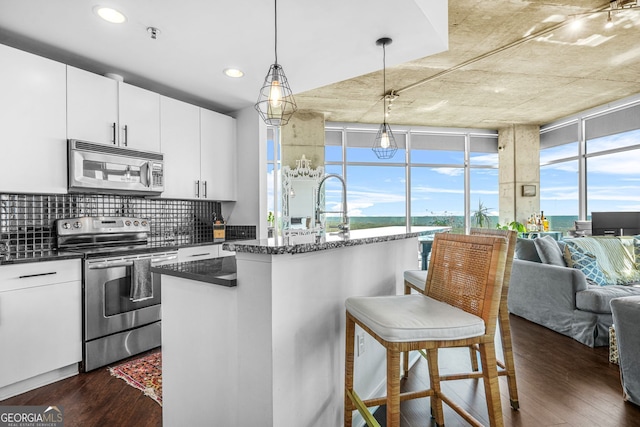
(104, 266)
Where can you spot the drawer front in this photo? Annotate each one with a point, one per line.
(22, 276)
(197, 253)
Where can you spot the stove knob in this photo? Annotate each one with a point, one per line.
(136, 223)
(127, 223)
(77, 224)
(144, 223)
(66, 226)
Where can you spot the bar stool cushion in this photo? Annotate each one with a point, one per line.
(417, 278)
(403, 318)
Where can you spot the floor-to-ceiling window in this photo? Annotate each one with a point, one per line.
(559, 177)
(588, 163)
(273, 178)
(437, 177)
(612, 145)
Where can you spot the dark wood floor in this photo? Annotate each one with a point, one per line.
(560, 382)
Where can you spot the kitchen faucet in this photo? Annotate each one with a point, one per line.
(344, 226)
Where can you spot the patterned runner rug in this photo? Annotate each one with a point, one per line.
(144, 373)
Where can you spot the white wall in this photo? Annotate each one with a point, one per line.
(251, 205)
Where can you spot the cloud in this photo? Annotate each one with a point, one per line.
(449, 171)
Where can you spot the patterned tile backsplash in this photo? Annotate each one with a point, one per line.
(27, 221)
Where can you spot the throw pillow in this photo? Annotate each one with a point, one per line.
(549, 251)
(585, 262)
(636, 251)
(526, 250)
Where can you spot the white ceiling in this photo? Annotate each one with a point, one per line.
(319, 42)
(507, 61)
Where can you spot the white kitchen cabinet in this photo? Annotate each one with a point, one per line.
(199, 147)
(139, 118)
(104, 110)
(180, 143)
(33, 122)
(218, 155)
(40, 323)
(92, 107)
(195, 253)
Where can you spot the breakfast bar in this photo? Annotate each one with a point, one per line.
(270, 350)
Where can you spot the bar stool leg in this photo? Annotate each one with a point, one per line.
(507, 350)
(491, 385)
(350, 331)
(434, 379)
(405, 355)
(393, 387)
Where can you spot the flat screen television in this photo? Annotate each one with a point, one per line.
(615, 223)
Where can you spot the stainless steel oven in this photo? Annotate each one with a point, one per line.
(116, 324)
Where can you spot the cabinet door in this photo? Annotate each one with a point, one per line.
(218, 155)
(196, 253)
(180, 143)
(92, 106)
(40, 319)
(33, 122)
(139, 111)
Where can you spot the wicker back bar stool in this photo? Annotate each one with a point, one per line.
(458, 308)
(415, 279)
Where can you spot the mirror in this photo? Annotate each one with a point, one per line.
(299, 187)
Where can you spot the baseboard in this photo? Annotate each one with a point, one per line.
(38, 381)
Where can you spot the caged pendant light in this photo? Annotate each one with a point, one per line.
(275, 103)
(384, 145)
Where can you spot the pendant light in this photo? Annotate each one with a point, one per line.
(384, 145)
(275, 103)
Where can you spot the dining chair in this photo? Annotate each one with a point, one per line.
(458, 308)
(415, 279)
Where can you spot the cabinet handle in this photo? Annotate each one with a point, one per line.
(113, 129)
(205, 189)
(203, 254)
(126, 135)
(26, 276)
(198, 188)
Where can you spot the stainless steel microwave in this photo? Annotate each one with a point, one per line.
(102, 168)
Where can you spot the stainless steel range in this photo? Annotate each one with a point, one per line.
(121, 297)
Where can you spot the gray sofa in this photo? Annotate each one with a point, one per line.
(560, 297)
(626, 314)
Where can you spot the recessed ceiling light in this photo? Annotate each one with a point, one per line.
(233, 72)
(109, 14)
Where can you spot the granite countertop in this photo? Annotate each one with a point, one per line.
(55, 255)
(37, 256)
(305, 244)
(217, 271)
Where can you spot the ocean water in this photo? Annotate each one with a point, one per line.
(561, 223)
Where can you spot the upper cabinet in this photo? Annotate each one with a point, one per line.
(92, 107)
(180, 136)
(200, 152)
(33, 121)
(139, 118)
(103, 110)
(218, 155)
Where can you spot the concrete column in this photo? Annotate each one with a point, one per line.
(304, 134)
(519, 159)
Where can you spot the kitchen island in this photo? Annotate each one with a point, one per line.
(270, 350)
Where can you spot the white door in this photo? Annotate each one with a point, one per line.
(180, 143)
(92, 107)
(139, 114)
(218, 155)
(33, 123)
